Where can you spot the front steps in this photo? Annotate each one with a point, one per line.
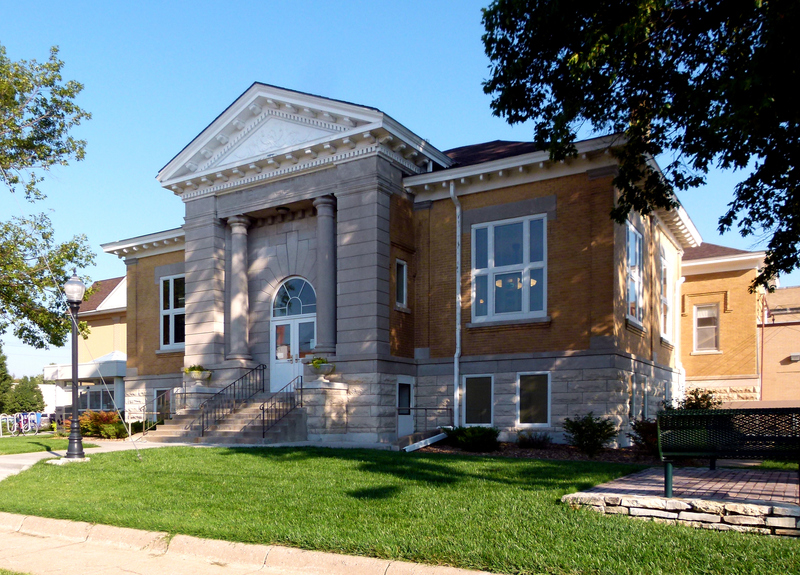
(242, 427)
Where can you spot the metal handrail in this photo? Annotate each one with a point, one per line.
(448, 410)
(226, 400)
(280, 404)
(147, 424)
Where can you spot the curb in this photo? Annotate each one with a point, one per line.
(218, 552)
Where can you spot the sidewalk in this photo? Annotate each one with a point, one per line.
(52, 546)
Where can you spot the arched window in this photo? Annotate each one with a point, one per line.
(294, 297)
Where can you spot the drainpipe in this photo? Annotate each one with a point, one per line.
(457, 355)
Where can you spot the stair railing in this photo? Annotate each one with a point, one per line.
(281, 403)
(226, 400)
(159, 405)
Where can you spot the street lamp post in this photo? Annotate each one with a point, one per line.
(74, 290)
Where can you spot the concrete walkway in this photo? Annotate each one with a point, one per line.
(51, 546)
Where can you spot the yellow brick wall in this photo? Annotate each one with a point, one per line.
(144, 325)
(107, 333)
(401, 322)
(738, 311)
(580, 272)
(781, 374)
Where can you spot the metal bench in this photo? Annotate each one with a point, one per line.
(728, 433)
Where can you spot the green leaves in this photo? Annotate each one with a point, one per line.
(37, 112)
(709, 82)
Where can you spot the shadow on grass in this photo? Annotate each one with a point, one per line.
(384, 492)
(440, 470)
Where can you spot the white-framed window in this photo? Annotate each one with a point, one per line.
(173, 313)
(401, 284)
(478, 400)
(666, 297)
(706, 327)
(533, 399)
(635, 258)
(509, 269)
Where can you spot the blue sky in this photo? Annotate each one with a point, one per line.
(157, 73)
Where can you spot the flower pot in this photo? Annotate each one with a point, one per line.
(200, 375)
(324, 369)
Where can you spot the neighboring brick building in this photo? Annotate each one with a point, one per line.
(487, 280)
(719, 315)
(780, 339)
(101, 356)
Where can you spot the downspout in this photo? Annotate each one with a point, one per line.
(457, 355)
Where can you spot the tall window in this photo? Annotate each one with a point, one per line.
(635, 307)
(173, 304)
(401, 287)
(477, 402)
(706, 327)
(533, 405)
(666, 297)
(509, 269)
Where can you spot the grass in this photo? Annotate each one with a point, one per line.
(496, 514)
(778, 465)
(30, 443)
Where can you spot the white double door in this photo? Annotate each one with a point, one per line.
(291, 340)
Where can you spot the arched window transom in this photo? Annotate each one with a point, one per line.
(294, 297)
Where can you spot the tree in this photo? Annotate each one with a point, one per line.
(37, 114)
(706, 82)
(5, 380)
(25, 396)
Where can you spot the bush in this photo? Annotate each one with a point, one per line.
(113, 430)
(645, 436)
(92, 421)
(534, 439)
(699, 399)
(589, 433)
(476, 439)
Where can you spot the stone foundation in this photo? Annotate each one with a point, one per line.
(781, 519)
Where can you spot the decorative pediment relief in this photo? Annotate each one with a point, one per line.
(273, 135)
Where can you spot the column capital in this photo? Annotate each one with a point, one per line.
(240, 222)
(326, 205)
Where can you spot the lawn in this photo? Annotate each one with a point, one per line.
(29, 443)
(497, 514)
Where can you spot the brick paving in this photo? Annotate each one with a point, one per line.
(698, 483)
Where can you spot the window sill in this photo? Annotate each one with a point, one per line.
(635, 326)
(709, 352)
(402, 308)
(174, 350)
(667, 343)
(541, 321)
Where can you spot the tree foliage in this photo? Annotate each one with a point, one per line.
(706, 83)
(25, 396)
(5, 380)
(37, 114)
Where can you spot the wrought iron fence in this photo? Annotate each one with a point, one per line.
(281, 403)
(446, 419)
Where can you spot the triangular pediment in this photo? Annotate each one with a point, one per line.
(271, 136)
(272, 132)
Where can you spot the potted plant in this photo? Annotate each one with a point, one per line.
(321, 366)
(197, 372)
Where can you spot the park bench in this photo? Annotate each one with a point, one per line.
(772, 433)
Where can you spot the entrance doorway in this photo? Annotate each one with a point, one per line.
(293, 333)
(405, 415)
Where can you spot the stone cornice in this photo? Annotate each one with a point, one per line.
(148, 245)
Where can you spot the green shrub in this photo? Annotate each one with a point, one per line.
(534, 439)
(91, 422)
(113, 430)
(137, 427)
(699, 399)
(589, 433)
(476, 439)
(645, 436)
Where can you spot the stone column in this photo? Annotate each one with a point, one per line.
(326, 274)
(240, 302)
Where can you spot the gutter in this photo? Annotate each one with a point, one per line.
(457, 355)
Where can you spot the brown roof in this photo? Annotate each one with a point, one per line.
(104, 288)
(488, 151)
(706, 250)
